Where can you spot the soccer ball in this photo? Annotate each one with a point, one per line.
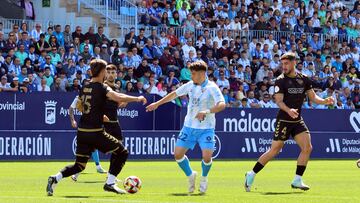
(132, 184)
(358, 163)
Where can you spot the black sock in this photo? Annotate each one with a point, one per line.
(79, 166)
(117, 160)
(300, 170)
(257, 168)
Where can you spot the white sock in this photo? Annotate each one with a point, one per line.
(76, 175)
(58, 176)
(110, 179)
(297, 177)
(98, 166)
(252, 173)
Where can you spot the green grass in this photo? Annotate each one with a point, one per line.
(330, 181)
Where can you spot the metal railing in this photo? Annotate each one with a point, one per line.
(9, 23)
(122, 12)
(180, 31)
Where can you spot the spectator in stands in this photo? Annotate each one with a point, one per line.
(114, 44)
(75, 87)
(104, 53)
(11, 42)
(155, 14)
(42, 45)
(115, 58)
(78, 34)
(59, 35)
(68, 39)
(156, 68)
(35, 33)
(129, 87)
(101, 37)
(175, 20)
(43, 87)
(53, 42)
(24, 41)
(91, 36)
(55, 56)
(21, 54)
(171, 79)
(148, 51)
(150, 87)
(130, 39)
(56, 86)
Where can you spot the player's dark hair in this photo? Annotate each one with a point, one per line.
(198, 66)
(96, 66)
(111, 67)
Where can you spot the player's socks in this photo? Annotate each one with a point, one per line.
(205, 168)
(300, 170)
(111, 179)
(95, 157)
(203, 184)
(184, 164)
(258, 167)
(58, 176)
(297, 177)
(100, 169)
(75, 177)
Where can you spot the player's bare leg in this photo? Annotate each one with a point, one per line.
(205, 165)
(304, 142)
(184, 164)
(275, 149)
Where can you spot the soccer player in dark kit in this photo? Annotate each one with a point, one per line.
(91, 134)
(291, 88)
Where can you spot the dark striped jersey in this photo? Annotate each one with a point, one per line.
(93, 99)
(294, 90)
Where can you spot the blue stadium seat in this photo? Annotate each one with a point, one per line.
(132, 11)
(124, 11)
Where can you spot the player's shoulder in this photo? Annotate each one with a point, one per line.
(212, 85)
(281, 77)
(302, 75)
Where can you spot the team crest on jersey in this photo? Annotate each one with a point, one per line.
(300, 81)
(50, 112)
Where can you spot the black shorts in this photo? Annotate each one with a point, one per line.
(285, 129)
(114, 129)
(87, 142)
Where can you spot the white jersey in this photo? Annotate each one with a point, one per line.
(201, 97)
(73, 104)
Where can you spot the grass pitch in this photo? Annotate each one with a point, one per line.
(330, 181)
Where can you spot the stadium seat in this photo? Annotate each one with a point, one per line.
(132, 11)
(124, 11)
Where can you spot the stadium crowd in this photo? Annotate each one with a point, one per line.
(244, 67)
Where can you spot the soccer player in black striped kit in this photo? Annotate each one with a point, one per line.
(291, 88)
(91, 134)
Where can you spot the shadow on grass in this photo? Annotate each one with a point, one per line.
(185, 194)
(281, 193)
(76, 196)
(91, 182)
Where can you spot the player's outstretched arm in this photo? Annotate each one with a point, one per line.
(166, 99)
(121, 98)
(318, 100)
(279, 99)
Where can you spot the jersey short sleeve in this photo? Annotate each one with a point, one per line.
(73, 104)
(308, 84)
(279, 86)
(184, 89)
(106, 89)
(217, 95)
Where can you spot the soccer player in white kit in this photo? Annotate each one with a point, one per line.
(205, 99)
